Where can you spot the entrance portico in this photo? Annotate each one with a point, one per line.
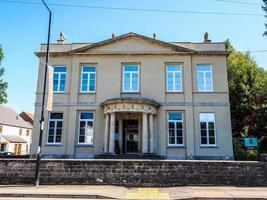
(129, 125)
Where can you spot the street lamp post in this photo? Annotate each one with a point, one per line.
(38, 159)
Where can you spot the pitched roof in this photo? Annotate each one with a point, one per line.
(14, 138)
(28, 117)
(174, 47)
(9, 117)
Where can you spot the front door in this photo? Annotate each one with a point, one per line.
(131, 136)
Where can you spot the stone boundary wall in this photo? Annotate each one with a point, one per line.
(157, 173)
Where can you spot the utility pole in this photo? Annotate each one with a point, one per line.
(39, 151)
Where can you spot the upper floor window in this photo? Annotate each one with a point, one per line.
(27, 132)
(174, 78)
(1, 129)
(86, 128)
(130, 78)
(207, 129)
(88, 79)
(55, 128)
(20, 131)
(175, 129)
(59, 83)
(204, 78)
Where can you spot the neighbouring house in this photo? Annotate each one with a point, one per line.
(136, 95)
(15, 133)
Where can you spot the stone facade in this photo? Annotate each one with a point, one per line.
(156, 173)
(136, 120)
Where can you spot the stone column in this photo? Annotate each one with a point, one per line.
(106, 134)
(111, 133)
(144, 134)
(151, 133)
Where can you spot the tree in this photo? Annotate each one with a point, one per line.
(3, 85)
(265, 9)
(248, 98)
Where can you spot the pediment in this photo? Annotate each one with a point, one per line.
(130, 43)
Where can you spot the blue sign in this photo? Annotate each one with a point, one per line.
(250, 142)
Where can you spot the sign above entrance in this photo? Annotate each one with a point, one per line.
(130, 107)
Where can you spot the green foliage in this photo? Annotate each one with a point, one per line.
(248, 98)
(3, 85)
(265, 9)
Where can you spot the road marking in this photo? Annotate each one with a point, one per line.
(147, 193)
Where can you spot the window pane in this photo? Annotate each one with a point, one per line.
(179, 132)
(135, 85)
(171, 133)
(200, 80)
(203, 133)
(212, 140)
(170, 81)
(171, 140)
(179, 125)
(175, 116)
(60, 69)
(204, 68)
(178, 82)
(179, 140)
(173, 68)
(211, 125)
(89, 69)
(56, 116)
(87, 115)
(211, 133)
(203, 140)
(203, 125)
(131, 68)
(207, 117)
(171, 125)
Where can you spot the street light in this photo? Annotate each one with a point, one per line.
(38, 159)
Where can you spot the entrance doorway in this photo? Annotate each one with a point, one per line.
(130, 136)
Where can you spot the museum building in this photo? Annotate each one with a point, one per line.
(133, 95)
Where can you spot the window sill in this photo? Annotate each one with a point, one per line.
(60, 93)
(203, 92)
(174, 92)
(176, 147)
(53, 145)
(130, 93)
(208, 146)
(84, 145)
(87, 93)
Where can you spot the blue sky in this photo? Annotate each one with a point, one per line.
(23, 27)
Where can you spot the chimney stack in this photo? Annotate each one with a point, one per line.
(206, 38)
(62, 38)
(154, 36)
(113, 35)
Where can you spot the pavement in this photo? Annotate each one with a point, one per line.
(22, 192)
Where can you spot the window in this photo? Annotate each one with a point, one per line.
(27, 132)
(88, 77)
(60, 73)
(20, 132)
(174, 78)
(1, 129)
(131, 78)
(204, 78)
(175, 129)
(86, 128)
(55, 128)
(207, 129)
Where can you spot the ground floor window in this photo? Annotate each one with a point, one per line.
(55, 128)
(175, 129)
(3, 147)
(207, 129)
(86, 128)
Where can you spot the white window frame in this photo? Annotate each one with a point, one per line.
(59, 79)
(55, 128)
(86, 120)
(88, 82)
(175, 128)
(207, 131)
(131, 75)
(173, 76)
(205, 82)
